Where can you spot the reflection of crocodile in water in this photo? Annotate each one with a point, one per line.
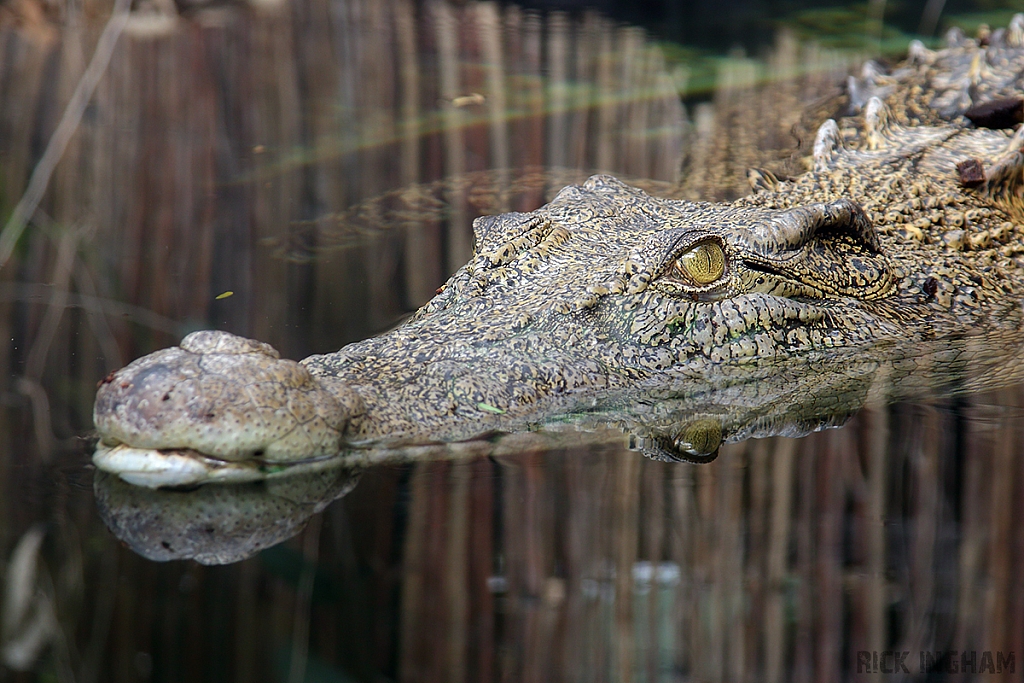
(234, 520)
(902, 239)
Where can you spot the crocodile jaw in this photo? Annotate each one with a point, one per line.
(160, 468)
(154, 468)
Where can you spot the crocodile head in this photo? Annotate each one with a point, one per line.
(604, 290)
(609, 287)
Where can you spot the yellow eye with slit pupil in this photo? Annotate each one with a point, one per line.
(703, 264)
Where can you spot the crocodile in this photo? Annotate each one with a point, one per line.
(900, 249)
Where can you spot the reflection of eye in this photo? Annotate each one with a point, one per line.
(700, 438)
(703, 264)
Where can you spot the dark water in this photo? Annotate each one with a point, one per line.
(305, 173)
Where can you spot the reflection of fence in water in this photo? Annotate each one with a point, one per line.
(779, 561)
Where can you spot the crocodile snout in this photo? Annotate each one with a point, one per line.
(222, 397)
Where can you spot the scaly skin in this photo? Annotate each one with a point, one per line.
(939, 87)
(586, 304)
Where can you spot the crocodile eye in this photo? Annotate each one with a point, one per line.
(703, 264)
(700, 438)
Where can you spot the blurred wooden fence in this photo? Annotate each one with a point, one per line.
(777, 562)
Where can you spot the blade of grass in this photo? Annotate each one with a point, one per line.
(65, 130)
